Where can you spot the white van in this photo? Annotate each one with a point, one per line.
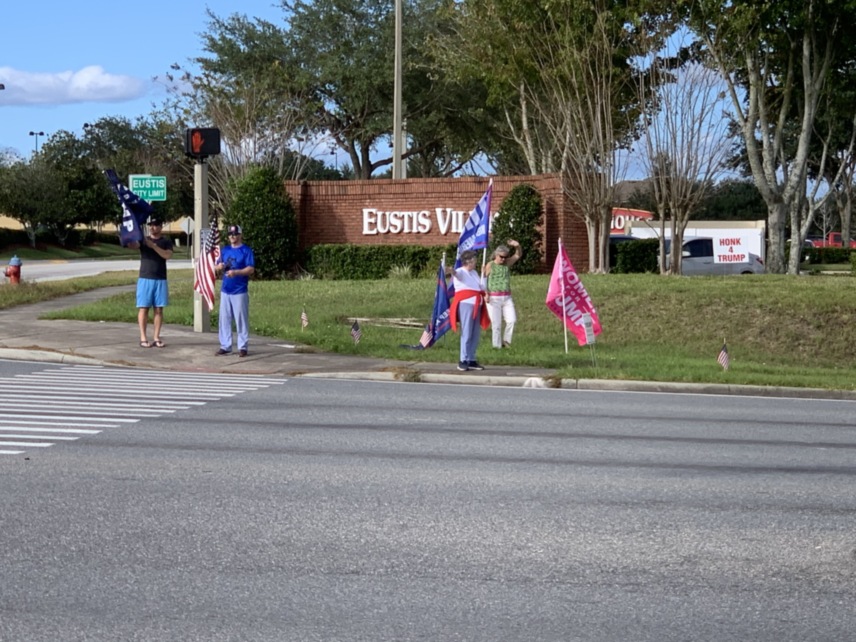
(697, 258)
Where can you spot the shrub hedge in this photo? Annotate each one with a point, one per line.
(828, 254)
(520, 218)
(636, 256)
(374, 261)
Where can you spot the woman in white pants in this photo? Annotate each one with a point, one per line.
(500, 305)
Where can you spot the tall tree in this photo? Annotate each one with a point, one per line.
(561, 72)
(148, 145)
(686, 143)
(777, 59)
(32, 194)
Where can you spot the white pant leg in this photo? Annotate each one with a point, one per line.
(510, 316)
(494, 311)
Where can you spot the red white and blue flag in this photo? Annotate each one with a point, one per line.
(204, 274)
(474, 236)
(723, 359)
(135, 210)
(440, 321)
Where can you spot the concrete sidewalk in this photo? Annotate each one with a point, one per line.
(23, 336)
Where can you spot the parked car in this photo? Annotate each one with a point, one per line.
(697, 258)
(615, 239)
(833, 239)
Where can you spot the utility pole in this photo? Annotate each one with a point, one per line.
(396, 100)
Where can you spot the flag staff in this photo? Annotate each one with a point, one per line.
(487, 234)
(564, 307)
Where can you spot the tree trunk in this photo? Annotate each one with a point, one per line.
(776, 217)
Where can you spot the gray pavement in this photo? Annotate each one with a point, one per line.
(24, 336)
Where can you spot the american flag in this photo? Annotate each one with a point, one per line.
(356, 332)
(204, 274)
(723, 358)
(304, 319)
(427, 337)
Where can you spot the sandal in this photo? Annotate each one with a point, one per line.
(159, 344)
(145, 344)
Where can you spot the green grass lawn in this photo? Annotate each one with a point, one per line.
(780, 330)
(96, 251)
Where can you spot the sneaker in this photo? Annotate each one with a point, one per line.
(475, 365)
(462, 366)
(221, 352)
(242, 353)
(506, 344)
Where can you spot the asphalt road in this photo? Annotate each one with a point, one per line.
(62, 270)
(340, 510)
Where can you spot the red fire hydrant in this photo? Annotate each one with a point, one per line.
(13, 271)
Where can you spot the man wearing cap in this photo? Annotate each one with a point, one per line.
(152, 291)
(236, 264)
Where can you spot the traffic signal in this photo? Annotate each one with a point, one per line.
(200, 143)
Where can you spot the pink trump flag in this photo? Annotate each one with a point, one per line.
(567, 298)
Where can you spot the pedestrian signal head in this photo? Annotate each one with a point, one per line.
(201, 142)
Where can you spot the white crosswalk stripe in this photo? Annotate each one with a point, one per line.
(67, 403)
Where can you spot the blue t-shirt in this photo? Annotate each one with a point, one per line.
(236, 258)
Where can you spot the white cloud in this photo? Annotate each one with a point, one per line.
(89, 84)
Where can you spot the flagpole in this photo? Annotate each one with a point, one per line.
(487, 214)
(564, 309)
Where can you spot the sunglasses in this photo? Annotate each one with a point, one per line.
(502, 256)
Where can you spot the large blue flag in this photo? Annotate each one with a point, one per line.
(474, 236)
(135, 210)
(440, 322)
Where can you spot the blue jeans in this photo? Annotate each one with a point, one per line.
(470, 331)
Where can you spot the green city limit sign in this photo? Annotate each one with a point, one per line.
(148, 187)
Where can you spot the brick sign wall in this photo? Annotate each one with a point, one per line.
(424, 211)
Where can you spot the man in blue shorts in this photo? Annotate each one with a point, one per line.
(152, 290)
(236, 264)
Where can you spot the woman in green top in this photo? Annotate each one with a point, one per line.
(500, 305)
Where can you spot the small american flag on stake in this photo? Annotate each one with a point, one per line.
(427, 336)
(304, 320)
(356, 332)
(723, 358)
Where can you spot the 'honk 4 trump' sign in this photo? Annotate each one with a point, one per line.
(731, 249)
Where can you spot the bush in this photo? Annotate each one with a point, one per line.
(520, 218)
(637, 256)
(374, 261)
(265, 213)
(827, 255)
(13, 237)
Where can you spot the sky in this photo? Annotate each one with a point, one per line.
(68, 63)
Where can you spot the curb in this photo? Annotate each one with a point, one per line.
(512, 381)
(46, 356)
(616, 385)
